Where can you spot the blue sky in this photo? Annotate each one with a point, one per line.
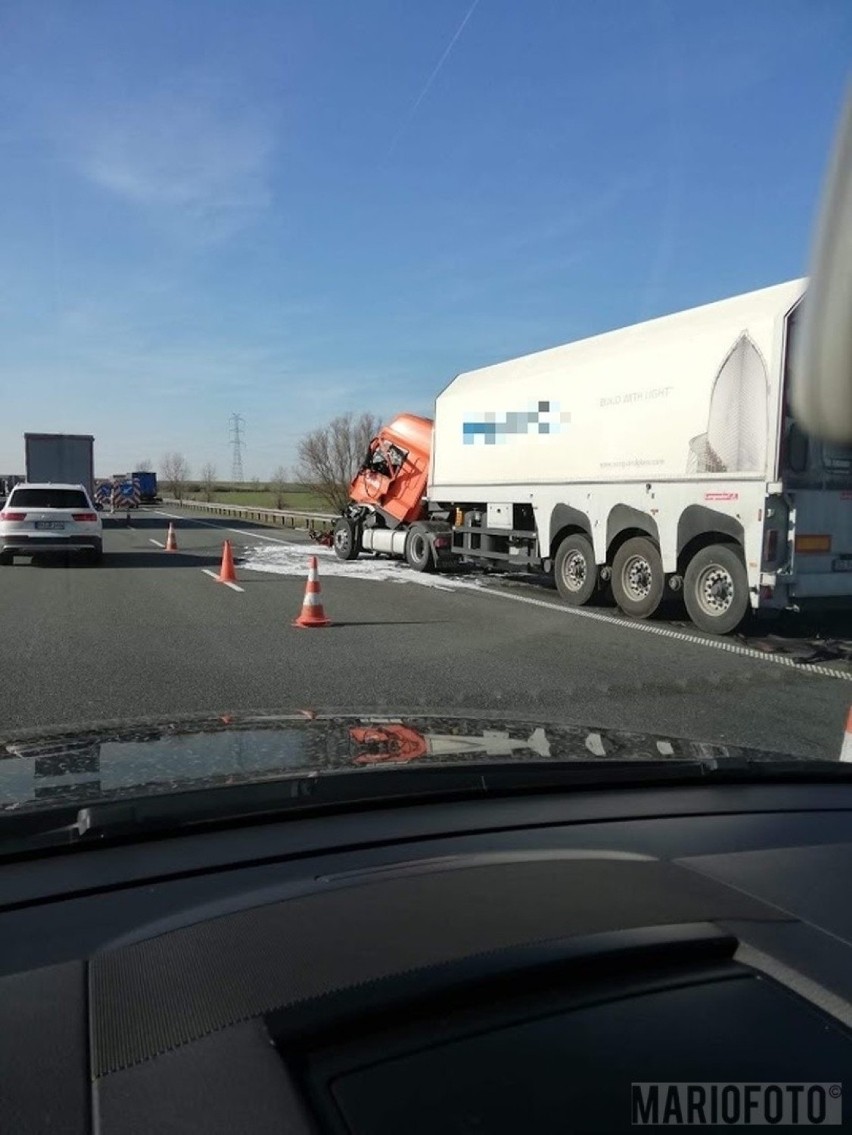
(291, 209)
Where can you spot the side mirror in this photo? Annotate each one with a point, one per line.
(821, 387)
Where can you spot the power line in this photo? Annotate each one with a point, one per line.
(237, 424)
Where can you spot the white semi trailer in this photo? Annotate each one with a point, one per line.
(660, 456)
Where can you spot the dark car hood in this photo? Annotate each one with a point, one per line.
(99, 762)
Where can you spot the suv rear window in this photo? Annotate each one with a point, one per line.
(48, 498)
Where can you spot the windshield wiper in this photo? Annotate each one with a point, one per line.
(260, 801)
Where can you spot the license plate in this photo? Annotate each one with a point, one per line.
(842, 565)
(55, 525)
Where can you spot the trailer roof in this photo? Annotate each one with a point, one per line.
(746, 307)
(79, 437)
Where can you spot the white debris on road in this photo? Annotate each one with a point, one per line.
(292, 559)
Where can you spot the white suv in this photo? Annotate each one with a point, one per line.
(49, 518)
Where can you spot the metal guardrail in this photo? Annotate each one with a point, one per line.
(283, 517)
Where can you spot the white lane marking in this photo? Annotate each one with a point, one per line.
(224, 528)
(214, 575)
(679, 636)
(157, 542)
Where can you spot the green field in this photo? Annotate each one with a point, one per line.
(298, 497)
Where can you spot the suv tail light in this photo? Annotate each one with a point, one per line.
(89, 516)
(13, 516)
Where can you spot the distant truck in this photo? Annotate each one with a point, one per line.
(147, 483)
(61, 459)
(660, 457)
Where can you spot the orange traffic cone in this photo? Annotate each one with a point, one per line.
(312, 614)
(226, 572)
(171, 542)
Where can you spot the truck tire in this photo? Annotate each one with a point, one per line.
(347, 539)
(715, 589)
(575, 570)
(418, 549)
(5, 559)
(638, 582)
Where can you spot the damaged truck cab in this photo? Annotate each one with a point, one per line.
(388, 511)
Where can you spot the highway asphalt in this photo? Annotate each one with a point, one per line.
(149, 634)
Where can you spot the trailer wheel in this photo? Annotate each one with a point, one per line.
(715, 589)
(638, 582)
(575, 570)
(418, 550)
(346, 539)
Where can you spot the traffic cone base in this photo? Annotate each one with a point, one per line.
(312, 613)
(226, 572)
(171, 539)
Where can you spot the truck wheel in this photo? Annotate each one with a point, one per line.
(637, 578)
(418, 550)
(575, 570)
(346, 539)
(715, 589)
(5, 559)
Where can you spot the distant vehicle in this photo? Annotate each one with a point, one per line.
(125, 492)
(7, 483)
(147, 482)
(658, 457)
(102, 493)
(60, 459)
(50, 518)
(119, 492)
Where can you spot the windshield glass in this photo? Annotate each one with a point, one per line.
(406, 361)
(48, 498)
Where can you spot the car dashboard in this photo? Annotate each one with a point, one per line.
(499, 965)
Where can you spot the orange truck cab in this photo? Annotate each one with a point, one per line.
(395, 471)
(387, 511)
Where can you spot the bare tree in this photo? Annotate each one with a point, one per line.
(278, 486)
(144, 466)
(208, 480)
(330, 456)
(174, 470)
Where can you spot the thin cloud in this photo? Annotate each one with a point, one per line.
(428, 84)
(182, 153)
(512, 249)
